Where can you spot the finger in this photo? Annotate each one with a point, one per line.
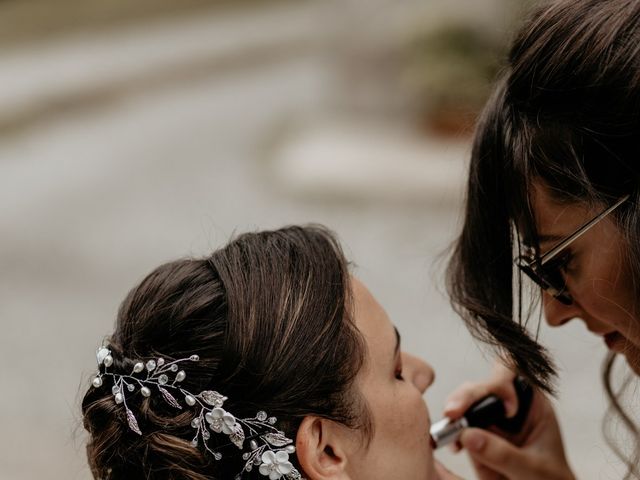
(463, 397)
(444, 473)
(501, 384)
(500, 372)
(454, 447)
(496, 454)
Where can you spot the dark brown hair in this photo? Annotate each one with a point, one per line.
(269, 315)
(566, 112)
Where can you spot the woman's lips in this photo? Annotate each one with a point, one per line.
(614, 341)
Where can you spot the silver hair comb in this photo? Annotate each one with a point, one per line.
(268, 447)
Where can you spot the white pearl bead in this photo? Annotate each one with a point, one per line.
(97, 382)
(108, 361)
(181, 376)
(145, 391)
(138, 367)
(119, 398)
(290, 449)
(190, 400)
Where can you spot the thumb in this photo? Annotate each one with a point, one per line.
(496, 454)
(444, 474)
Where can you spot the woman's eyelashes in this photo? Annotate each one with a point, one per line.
(563, 262)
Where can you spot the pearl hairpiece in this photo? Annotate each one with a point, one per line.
(269, 448)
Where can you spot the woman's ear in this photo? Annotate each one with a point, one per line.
(322, 448)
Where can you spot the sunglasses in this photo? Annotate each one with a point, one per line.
(546, 271)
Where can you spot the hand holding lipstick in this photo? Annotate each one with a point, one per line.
(535, 452)
(488, 411)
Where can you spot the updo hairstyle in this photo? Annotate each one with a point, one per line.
(269, 315)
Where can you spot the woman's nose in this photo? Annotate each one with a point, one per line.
(420, 372)
(556, 312)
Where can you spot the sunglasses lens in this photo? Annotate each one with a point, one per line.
(551, 280)
(553, 277)
(564, 298)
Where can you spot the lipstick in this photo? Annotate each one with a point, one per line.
(486, 412)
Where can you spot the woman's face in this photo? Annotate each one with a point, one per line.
(392, 382)
(596, 275)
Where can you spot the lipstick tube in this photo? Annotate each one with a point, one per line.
(486, 412)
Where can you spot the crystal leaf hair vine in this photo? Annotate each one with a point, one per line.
(268, 447)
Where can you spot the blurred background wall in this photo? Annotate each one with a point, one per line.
(132, 133)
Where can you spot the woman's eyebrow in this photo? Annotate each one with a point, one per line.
(545, 238)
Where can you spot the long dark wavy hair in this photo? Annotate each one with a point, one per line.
(269, 316)
(565, 112)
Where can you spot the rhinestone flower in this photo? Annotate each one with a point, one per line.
(268, 447)
(220, 421)
(275, 465)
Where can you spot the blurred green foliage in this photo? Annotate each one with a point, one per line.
(34, 20)
(451, 67)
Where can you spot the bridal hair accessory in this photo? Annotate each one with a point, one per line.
(268, 447)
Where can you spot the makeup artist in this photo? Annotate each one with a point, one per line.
(553, 182)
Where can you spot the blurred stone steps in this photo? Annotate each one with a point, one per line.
(42, 80)
(362, 160)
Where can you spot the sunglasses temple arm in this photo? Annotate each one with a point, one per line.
(581, 231)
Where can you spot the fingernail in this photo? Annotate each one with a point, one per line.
(476, 442)
(452, 405)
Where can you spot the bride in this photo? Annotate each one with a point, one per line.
(264, 360)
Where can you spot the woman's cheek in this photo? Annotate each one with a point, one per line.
(412, 421)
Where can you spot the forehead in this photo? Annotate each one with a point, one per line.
(372, 321)
(554, 219)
